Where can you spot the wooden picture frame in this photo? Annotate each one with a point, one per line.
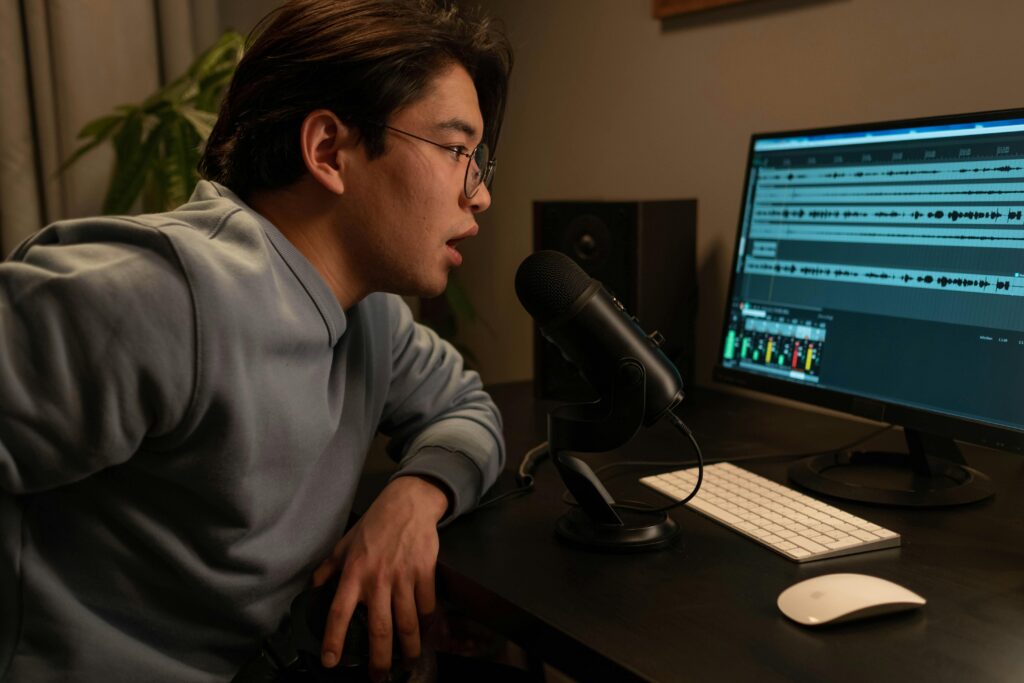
(662, 9)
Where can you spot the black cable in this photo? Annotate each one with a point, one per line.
(524, 477)
(638, 506)
(648, 464)
(644, 507)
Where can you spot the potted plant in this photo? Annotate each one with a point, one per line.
(157, 143)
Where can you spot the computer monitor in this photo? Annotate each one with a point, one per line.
(879, 270)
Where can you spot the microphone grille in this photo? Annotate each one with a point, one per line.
(547, 284)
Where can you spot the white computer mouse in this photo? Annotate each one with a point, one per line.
(833, 598)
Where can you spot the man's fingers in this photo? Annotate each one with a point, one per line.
(426, 602)
(331, 565)
(324, 572)
(338, 618)
(407, 623)
(380, 630)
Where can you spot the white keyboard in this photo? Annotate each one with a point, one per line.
(794, 525)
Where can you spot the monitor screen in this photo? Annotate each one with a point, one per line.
(879, 269)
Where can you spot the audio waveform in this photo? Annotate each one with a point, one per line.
(893, 173)
(916, 215)
(868, 172)
(969, 282)
(941, 281)
(1009, 193)
(894, 235)
(941, 193)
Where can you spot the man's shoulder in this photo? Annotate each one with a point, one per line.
(144, 257)
(204, 217)
(212, 213)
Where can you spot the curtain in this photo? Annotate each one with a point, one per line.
(64, 63)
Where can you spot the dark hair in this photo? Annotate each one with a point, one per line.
(361, 59)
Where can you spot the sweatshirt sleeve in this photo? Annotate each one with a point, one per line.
(96, 355)
(442, 424)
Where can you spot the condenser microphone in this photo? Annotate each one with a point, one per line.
(593, 330)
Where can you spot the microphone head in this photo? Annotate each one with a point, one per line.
(548, 283)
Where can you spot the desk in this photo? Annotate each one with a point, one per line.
(705, 610)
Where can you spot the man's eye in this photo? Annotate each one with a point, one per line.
(457, 152)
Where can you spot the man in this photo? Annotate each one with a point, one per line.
(186, 399)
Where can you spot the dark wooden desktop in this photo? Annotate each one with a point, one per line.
(705, 609)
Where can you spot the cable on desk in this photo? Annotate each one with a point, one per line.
(524, 476)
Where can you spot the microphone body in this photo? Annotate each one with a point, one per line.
(593, 330)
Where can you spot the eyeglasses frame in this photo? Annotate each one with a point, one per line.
(486, 174)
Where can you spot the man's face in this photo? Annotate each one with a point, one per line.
(404, 213)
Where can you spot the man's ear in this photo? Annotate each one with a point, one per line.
(327, 144)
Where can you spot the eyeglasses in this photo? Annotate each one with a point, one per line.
(479, 168)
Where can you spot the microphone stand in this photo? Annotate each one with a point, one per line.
(601, 426)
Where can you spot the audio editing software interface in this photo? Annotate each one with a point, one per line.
(888, 264)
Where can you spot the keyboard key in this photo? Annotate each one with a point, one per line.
(808, 544)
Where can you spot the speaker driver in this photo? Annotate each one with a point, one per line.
(588, 240)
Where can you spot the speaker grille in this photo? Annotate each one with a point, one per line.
(547, 283)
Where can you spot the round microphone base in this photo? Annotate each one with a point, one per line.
(639, 532)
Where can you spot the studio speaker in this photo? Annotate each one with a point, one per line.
(644, 252)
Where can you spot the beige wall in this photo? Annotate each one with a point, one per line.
(242, 15)
(609, 103)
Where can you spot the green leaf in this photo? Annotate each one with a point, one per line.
(171, 92)
(99, 130)
(157, 143)
(201, 121)
(217, 79)
(182, 160)
(227, 49)
(154, 195)
(190, 93)
(130, 172)
(129, 137)
(101, 127)
(158, 107)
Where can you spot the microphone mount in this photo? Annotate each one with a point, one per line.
(599, 426)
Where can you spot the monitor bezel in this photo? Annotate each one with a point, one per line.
(934, 422)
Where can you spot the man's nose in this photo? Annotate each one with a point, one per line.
(480, 200)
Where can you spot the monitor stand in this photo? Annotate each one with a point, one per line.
(932, 474)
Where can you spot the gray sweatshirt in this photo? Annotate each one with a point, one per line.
(185, 411)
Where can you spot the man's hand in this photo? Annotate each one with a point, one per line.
(387, 562)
